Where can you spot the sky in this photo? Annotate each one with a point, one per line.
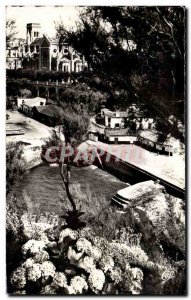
(46, 15)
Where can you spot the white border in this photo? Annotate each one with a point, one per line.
(2, 108)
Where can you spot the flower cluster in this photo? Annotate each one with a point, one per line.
(106, 263)
(83, 245)
(68, 233)
(34, 272)
(79, 284)
(94, 252)
(40, 257)
(48, 269)
(87, 263)
(18, 278)
(59, 280)
(48, 290)
(33, 247)
(96, 280)
(87, 266)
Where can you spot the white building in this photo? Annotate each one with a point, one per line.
(26, 104)
(117, 136)
(149, 139)
(117, 119)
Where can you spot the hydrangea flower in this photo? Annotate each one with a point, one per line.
(78, 284)
(106, 263)
(59, 280)
(83, 245)
(34, 272)
(87, 263)
(18, 278)
(96, 280)
(40, 257)
(70, 290)
(116, 274)
(48, 290)
(34, 230)
(73, 234)
(94, 252)
(48, 269)
(137, 273)
(32, 247)
(28, 263)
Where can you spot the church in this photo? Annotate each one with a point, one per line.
(43, 53)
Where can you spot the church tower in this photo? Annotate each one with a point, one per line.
(33, 32)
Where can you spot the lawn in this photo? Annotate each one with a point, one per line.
(43, 185)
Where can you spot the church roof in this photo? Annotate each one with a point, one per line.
(37, 41)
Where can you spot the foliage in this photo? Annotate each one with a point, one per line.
(85, 97)
(150, 41)
(25, 93)
(10, 31)
(15, 166)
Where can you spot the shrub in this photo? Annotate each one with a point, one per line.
(83, 263)
(15, 166)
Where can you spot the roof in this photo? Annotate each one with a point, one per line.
(116, 114)
(39, 108)
(149, 135)
(132, 111)
(37, 41)
(32, 101)
(51, 110)
(153, 137)
(117, 132)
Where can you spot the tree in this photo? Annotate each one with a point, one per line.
(75, 129)
(137, 49)
(83, 96)
(10, 31)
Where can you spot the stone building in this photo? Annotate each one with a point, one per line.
(43, 53)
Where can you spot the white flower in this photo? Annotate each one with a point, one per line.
(83, 245)
(34, 272)
(18, 278)
(94, 252)
(116, 274)
(48, 290)
(96, 280)
(106, 263)
(70, 290)
(48, 269)
(137, 273)
(78, 284)
(60, 280)
(87, 264)
(73, 234)
(32, 247)
(28, 263)
(40, 257)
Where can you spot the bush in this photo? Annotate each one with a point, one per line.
(15, 165)
(82, 263)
